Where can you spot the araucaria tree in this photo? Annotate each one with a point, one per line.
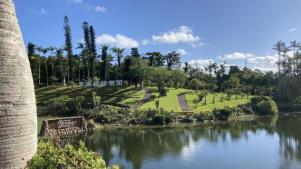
(18, 118)
(104, 68)
(89, 50)
(68, 48)
(86, 49)
(93, 53)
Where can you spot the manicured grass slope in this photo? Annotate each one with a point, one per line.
(169, 102)
(218, 103)
(109, 95)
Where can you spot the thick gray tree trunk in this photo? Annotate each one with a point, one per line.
(18, 118)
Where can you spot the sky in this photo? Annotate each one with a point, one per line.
(238, 32)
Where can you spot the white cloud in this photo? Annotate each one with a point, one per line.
(182, 52)
(88, 7)
(263, 63)
(292, 30)
(182, 34)
(237, 56)
(118, 40)
(200, 63)
(100, 9)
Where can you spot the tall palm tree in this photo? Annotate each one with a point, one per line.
(39, 49)
(62, 64)
(52, 59)
(45, 58)
(119, 56)
(279, 47)
(294, 46)
(18, 117)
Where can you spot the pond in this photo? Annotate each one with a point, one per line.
(263, 143)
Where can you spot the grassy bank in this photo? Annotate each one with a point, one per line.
(219, 102)
(108, 95)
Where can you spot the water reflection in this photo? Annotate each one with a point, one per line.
(272, 140)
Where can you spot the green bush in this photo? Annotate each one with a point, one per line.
(203, 116)
(264, 105)
(225, 114)
(50, 156)
(267, 107)
(162, 118)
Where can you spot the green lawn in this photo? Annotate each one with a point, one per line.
(130, 96)
(169, 102)
(218, 103)
(109, 95)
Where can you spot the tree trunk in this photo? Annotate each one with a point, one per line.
(39, 71)
(18, 117)
(46, 71)
(78, 74)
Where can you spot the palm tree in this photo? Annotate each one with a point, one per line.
(18, 117)
(84, 57)
(62, 64)
(52, 59)
(119, 54)
(39, 49)
(279, 47)
(295, 45)
(44, 51)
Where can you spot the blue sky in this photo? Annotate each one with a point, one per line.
(202, 30)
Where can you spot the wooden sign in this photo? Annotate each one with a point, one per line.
(63, 126)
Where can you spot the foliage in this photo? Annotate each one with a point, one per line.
(226, 113)
(160, 77)
(196, 84)
(172, 59)
(95, 99)
(178, 78)
(264, 105)
(51, 156)
(139, 71)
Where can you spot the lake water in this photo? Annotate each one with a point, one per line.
(265, 143)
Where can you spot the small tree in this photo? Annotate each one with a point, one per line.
(139, 71)
(195, 84)
(234, 85)
(178, 77)
(159, 77)
(95, 100)
(157, 104)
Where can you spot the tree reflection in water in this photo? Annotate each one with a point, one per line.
(136, 145)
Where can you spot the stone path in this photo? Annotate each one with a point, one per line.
(147, 95)
(183, 103)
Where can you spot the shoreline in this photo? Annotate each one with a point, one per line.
(178, 124)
